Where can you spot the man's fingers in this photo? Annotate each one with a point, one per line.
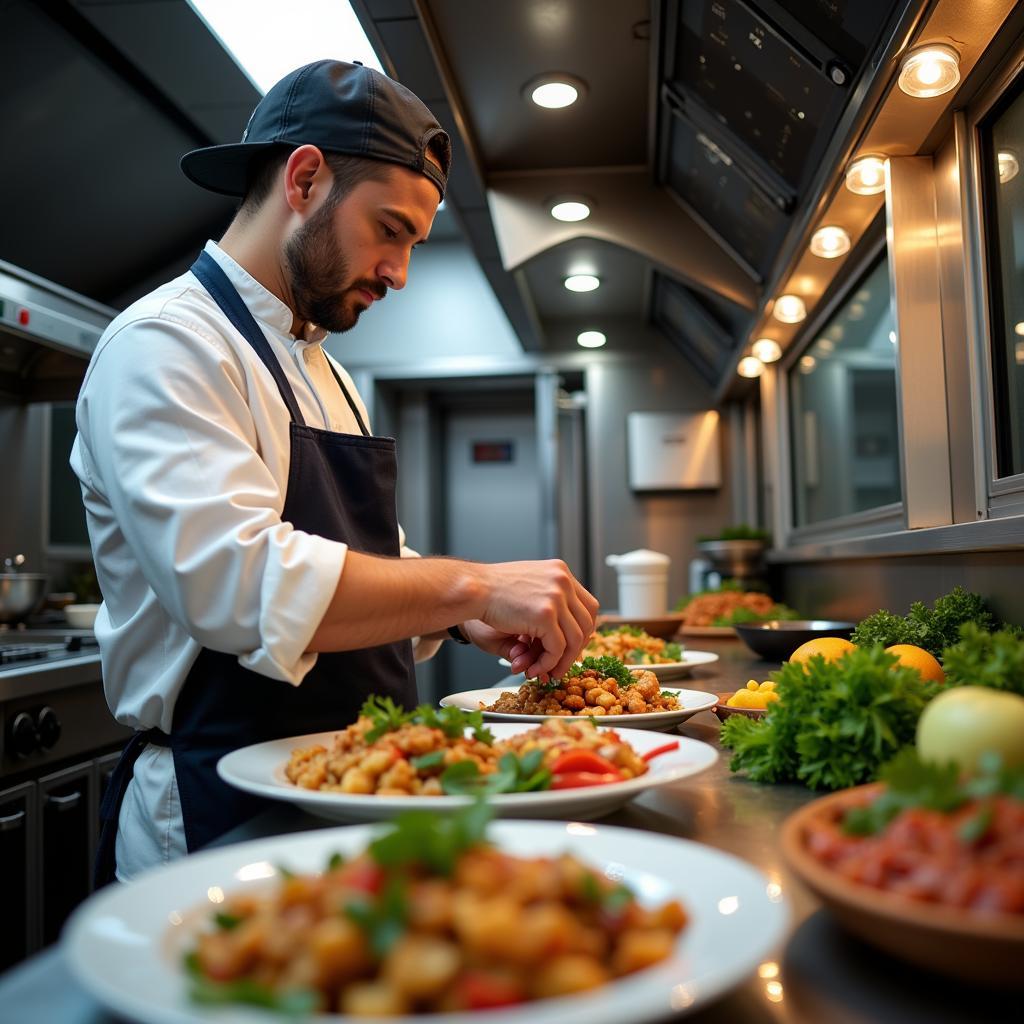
(554, 646)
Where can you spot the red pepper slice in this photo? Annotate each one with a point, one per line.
(580, 760)
(476, 990)
(576, 780)
(661, 750)
(363, 875)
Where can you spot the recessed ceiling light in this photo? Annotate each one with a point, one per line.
(789, 309)
(570, 209)
(807, 364)
(582, 282)
(554, 90)
(750, 366)
(866, 175)
(591, 339)
(830, 242)
(1009, 165)
(767, 350)
(929, 70)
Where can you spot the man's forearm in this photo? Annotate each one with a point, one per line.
(379, 600)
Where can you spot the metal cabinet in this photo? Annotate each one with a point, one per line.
(19, 935)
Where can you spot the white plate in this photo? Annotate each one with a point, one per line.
(126, 942)
(259, 769)
(668, 670)
(691, 702)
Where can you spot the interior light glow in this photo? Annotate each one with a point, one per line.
(1018, 328)
(1018, 353)
(856, 310)
(767, 350)
(830, 242)
(866, 175)
(807, 364)
(750, 366)
(554, 95)
(1009, 165)
(929, 70)
(825, 346)
(266, 47)
(892, 337)
(582, 282)
(590, 339)
(773, 990)
(789, 309)
(570, 210)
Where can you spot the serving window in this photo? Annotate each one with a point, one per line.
(842, 398)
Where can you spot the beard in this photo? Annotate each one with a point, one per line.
(315, 265)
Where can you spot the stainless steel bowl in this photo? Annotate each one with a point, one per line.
(21, 593)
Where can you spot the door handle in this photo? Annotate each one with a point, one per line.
(12, 821)
(64, 803)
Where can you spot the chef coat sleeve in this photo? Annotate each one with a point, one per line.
(166, 419)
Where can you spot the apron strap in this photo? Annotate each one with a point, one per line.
(348, 398)
(216, 282)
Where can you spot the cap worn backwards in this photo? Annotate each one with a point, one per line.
(339, 108)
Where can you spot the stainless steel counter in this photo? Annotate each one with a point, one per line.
(33, 679)
(819, 976)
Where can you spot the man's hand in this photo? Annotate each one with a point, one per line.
(537, 615)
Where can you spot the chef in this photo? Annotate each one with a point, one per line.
(241, 513)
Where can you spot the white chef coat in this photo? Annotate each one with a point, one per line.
(183, 455)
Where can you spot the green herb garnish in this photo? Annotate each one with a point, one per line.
(606, 666)
(293, 1002)
(335, 861)
(430, 840)
(674, 652)
(382, 918)
(431, 760)
(612, 900)
(226, 922)
(453, 722)
(515, 774)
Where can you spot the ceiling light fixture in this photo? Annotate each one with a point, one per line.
(789, 309)
(582, 282)
(555, 90)
(768, 350)
(750, 366)
(866, 175)
(570, 208)
(1018, 328)
(591, 339)
(807, 364)
(830, 242)
(930, 70)
(1009, 165)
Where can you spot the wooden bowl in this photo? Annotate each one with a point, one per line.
(724, 711)
(976, 946)
(662, 626)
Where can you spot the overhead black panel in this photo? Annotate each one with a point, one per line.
(711, 185)
(691, 327)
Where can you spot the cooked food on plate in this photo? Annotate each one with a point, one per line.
(633, 646)
(447, 751)
(718, 607)
(430, 918)
(595, 687)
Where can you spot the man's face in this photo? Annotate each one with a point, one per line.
(346, 257)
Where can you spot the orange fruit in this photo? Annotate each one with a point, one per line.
(831, 648)
(918, 658)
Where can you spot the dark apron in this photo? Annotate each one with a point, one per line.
(342, 487)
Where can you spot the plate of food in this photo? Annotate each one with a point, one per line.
(599, 688)
(925, 865)
(439, 760)
(664, 626)
(432, 915)
(715, 613)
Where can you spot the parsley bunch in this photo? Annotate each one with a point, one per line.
(609, 667)
(986, 659)
(835, 723)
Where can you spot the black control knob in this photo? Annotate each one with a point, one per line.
(48, 727)
(22, 738)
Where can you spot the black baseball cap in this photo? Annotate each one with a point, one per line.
(339, 108)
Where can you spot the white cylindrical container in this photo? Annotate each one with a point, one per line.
(643, 582)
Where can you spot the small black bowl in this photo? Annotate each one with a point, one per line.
(777, 639)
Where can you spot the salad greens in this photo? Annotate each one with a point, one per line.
(835, 723)
(933, 628)
(388, 716)
(515, 774)
(911, 782)
(986, 659)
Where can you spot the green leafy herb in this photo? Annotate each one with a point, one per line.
(383, 917)
(611, 900)
(431, 760)
(932, 628)
(293, 1002)
(335, 861)
(606, 666)
(665, 694)
(432, 841)
(453, 722)
(674, 651)
(911, 782)
(226, 922)
(515, 774)
(285, 873)
(835, 723)
(986, 659)
(385, 714)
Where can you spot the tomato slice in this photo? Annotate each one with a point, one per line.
(576, 780)
(661, 750)
(477, 990)
(580, 760)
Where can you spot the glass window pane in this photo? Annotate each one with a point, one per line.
(1003, 153)
(842, 396)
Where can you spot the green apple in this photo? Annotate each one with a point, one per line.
(965, 722)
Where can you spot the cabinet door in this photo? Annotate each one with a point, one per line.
(18, 862)
(66, 843)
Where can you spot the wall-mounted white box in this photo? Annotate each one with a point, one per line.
(673, 451)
